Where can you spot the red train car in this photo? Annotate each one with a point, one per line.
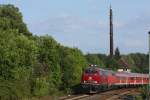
(96, 79)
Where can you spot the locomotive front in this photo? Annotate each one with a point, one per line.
(91, 79)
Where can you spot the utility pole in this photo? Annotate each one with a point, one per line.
(111, 31)
(149, 67)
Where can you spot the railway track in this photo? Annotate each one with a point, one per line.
(74, 97)
(107, 95)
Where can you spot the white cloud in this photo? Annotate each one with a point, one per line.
(132, 35)
(86, 34)
(92, 36)
(66, 23)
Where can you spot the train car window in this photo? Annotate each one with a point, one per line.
(122, 78)
(132, 78)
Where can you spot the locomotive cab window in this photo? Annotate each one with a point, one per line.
(101, 72)
(105, 73)
(91, 71)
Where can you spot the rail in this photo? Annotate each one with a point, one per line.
(107, 95)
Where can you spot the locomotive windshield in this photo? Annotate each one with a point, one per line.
(91, 71)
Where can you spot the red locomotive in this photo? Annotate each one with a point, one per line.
(95, 79)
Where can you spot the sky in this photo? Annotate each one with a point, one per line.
(85, 23)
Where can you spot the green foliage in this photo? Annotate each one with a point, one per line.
(39, 61)
(14, 89)
(103, 61)
(16, 51)
(144, 92)
(138, 62)
(72, 64)
(48, 61)
(11, 18)
(17, 56)
(95, 59)
(112, 64)
(41, 87)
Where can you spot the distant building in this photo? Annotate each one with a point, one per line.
(122, 70)
(125, 66)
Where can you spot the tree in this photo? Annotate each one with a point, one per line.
(47, 65)
(11, 18)
(17, 56)
(111, 63)
(117, 54)
(94, 59)
(72, 64)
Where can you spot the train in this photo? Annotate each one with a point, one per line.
(95, 79)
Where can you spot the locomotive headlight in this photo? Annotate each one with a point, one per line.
(95, 74)
(95, 82)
